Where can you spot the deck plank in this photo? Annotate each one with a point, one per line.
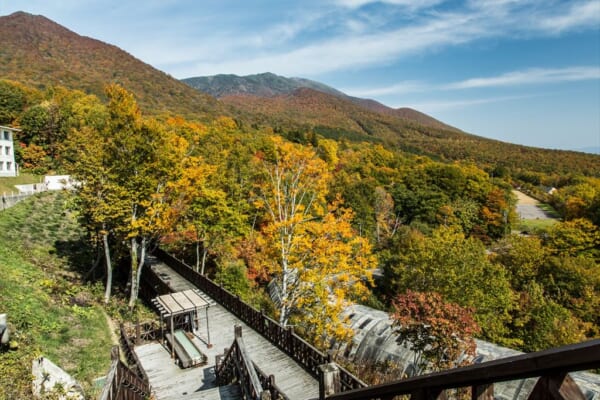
(168, 381)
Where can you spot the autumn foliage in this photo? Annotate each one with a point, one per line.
(440, 333)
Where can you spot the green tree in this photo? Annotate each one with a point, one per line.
(457, 268)
(541, 323)
(522, 257)
(578, 237)
(134, 159)
(13, 100)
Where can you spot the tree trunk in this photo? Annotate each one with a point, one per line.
(133, 253)
(108, 267)
(140, 268)
(197, 256)
(95, 265)
(204, 252)
(284, 310)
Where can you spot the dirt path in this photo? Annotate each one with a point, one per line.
(112, 327)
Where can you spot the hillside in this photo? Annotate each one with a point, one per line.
(39, 52)
(49, 311)
(337, 118)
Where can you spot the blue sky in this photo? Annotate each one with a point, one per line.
(521, 71)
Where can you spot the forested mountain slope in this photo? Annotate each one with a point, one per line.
(340, 118)
(270, 85)
(39, 52)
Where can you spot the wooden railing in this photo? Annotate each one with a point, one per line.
(122, 383)
(127, 344)
(551, 366)
(268, 384)
(284, 338)
(237, 367)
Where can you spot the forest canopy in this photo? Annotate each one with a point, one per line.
(316, 215)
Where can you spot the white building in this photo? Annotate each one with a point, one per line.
(8, 167)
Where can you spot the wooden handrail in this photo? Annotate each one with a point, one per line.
(123, 383)
(268, 383)
(130, 356)
(237, 363)
(547, 363)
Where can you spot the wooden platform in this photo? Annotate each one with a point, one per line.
(168, 381)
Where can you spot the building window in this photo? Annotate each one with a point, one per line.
(7, 150)
(6, 135)
(9, 166)
(1, 165)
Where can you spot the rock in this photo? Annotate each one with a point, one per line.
(48, 378)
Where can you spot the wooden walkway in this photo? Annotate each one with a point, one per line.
(169, 382)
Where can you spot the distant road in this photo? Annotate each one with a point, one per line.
(528, 207)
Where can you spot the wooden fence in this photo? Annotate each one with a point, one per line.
(551, 366)
(122, 383)
(284, 338)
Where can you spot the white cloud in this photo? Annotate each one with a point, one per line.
(354, 51)
(530, 76)
(411, 4)
(435, 106)
(513, 78)
(580, 15)
(356, 45)
(397, 88)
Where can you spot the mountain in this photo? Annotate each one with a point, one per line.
(39, 52)
(260, 85)
(271, 85)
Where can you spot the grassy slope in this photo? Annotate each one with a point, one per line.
(39, 290)
(7, 185)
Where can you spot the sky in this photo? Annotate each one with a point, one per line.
(520, 71)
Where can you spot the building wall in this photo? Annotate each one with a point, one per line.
(8, 167)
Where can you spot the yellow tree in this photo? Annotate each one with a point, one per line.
(140, 156)
(316, 257)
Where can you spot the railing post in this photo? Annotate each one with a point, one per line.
(329, 380)
(114, 353)
(272, 390)
(559, 386)
(237, 330)
(485, 392)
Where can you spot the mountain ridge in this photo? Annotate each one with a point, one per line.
(40, 52)
(268, 84)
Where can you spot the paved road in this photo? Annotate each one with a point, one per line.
(528, 207)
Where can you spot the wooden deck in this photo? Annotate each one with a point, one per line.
(169, 382)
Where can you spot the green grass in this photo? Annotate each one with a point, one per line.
(7, 185)
(551, 212)
(40, 291)
(535, 225)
